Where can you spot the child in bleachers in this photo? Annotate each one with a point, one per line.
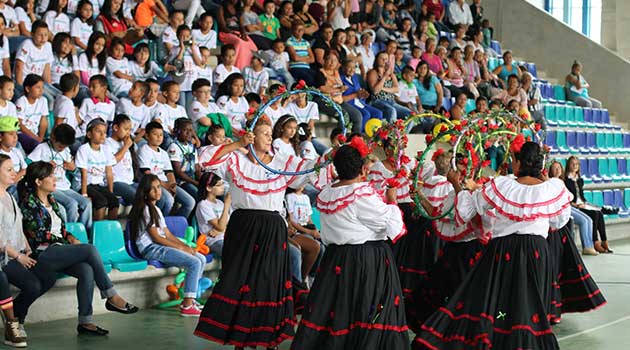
(300, 210)
(205, 36)
(134, 107)
(183, 157)
(8, 142)
(204, 70)
(64, 61)
(93, 61)
(155, 241)
(98, 105)
(143, 68)
(170, 110)
(33, 112)
(215, 137)
(188, 52)
(226, 67)
(270, 23)
(56, 17)
(256, 78)
(35, 55)
(64, 110)
(151, 99)
(254, 101)
(7, 11)
(279, 62)
(154, 160)
(231, 101)
(169, 36)
(407, 94)
(306, 149)
(306, 111)
(355, 95)
(118, 71)
(56, 151)
(95, 161)
(201, 106)
(7, 108)
(121, 144)
(276, 109)
(82, 25)
(284, 136)
(213, 214)
(25, 15)
(5, 52)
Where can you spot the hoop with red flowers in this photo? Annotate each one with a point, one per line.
(393, 136)
(300, 88)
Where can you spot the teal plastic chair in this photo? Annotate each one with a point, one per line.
(561, 115)
(588, 196)
(600, 141)
(550, 113)
(610, 142)
(626, 197)
(78, 230)
(109, 240)
(561, 141)
(598, 198)
(558, 93)
(618, 141)
(563, 161)
(570, 115)
(579, 116)
(602, 165)
(613, 170)
(315, 219)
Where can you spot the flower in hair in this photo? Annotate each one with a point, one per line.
(517, 143)
(437, 153)
(300, 85)
(281, 90)
(360, 145)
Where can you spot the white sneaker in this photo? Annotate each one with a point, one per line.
(22, 331)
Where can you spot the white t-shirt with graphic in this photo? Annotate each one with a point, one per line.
(91, 109)
(31, 114)
(123, 170)
(34, 58)
(140, 115)
(299, 208)
(167, 115)
(118, 85)
(44, 152)
(206, 211)
(157, 162)
(235, 111)
(95, 162)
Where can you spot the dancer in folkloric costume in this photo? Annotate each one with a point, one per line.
(356, 300)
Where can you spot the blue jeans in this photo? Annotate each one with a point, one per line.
(185, 99)
(392, 111)
(182, 197)
(190, 189)
(282, 74)
(78, 208)
(368, 112)
(83, 262)
(585, 224)
(193, 264)
(320, 148)
(126, 191)
(296, 262)
(216, 249)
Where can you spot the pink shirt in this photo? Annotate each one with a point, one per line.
(354, 6)
(435, 63)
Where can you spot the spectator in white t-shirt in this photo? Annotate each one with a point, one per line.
(212, 214)
(169, 111)
(10, 17)
(120, 144)
(187, 52)
(134, 107)
(118, 71)
(64, 110)
(82, 26)
(7, 108)
(34, 55)
(205, 36)
(285, 140)
(5, 52)
(93, 61)
(32, 111)
(256, 78)
(98, 105)
(459, 13)
(25, 13)
(231, 101)
(56, 17)
(226, 67)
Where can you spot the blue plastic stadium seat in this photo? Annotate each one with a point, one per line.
(496, 46)
(626, 141)
(558, 93)
(572, 141)
(605, 116)
(622, 169)
(581, 142)
(591, 143)
(584, 169)
(177, 225)
(588, 115)
(594, 170)
(550, 140)
(78, 231)
(609, 199)
(597, 116)
(531, 67)
(109, 239)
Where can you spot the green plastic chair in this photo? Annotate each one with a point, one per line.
(598, 198)
(550, 113)
(470, 106)
(588, 196)
(109, 240)
(600, 141)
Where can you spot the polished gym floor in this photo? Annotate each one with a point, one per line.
(607, 328)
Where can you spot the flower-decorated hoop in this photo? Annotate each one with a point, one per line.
(260, 111)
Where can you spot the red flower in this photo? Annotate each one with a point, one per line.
(535, 318)
(300, 85)
(428, 138)
(404, 159)
(536, 254)
(459, 305)
(397, 300)
(487, 145)
(281, 90)
(507, 257)
(392, 182)
(485, 163)
(468, 146)
(471, 262)
(437, 153)
(284, 246)
(545, 172)
(341, 138)
(360, 145)
(244, 289)
(517, 143)
(288, 285)
(483, 129)
(419, 154)
(458, 127)
(537, 127)
(444, 128)
(251, 110)
(494, 126)
(402, 173)
(338, 270)
(464, 122)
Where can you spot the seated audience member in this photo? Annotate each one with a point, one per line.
(533, 99)
(56, 151)
(383, 86)
(509, 67)
(578, 87)
(212, 214)
(233, 33)
(513, 92)
(60, 251)
(355, 95)
(459, 13)
(429, 88)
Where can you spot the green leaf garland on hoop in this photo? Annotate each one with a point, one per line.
(300, 88)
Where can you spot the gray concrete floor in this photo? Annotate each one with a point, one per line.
(606, 328)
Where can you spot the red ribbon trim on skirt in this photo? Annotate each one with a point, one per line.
(577, 280)
(363, 325)
(589, 296)
(247, 330)
(271, 344)
(252, 303)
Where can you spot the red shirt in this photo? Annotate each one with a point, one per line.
(435, 8)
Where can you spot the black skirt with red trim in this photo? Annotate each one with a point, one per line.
(501, 304)
(415, 252)
(455, 261)
(574, 290)
(355, 303)
(252, 302)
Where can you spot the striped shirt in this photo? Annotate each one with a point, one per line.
(301, 49)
